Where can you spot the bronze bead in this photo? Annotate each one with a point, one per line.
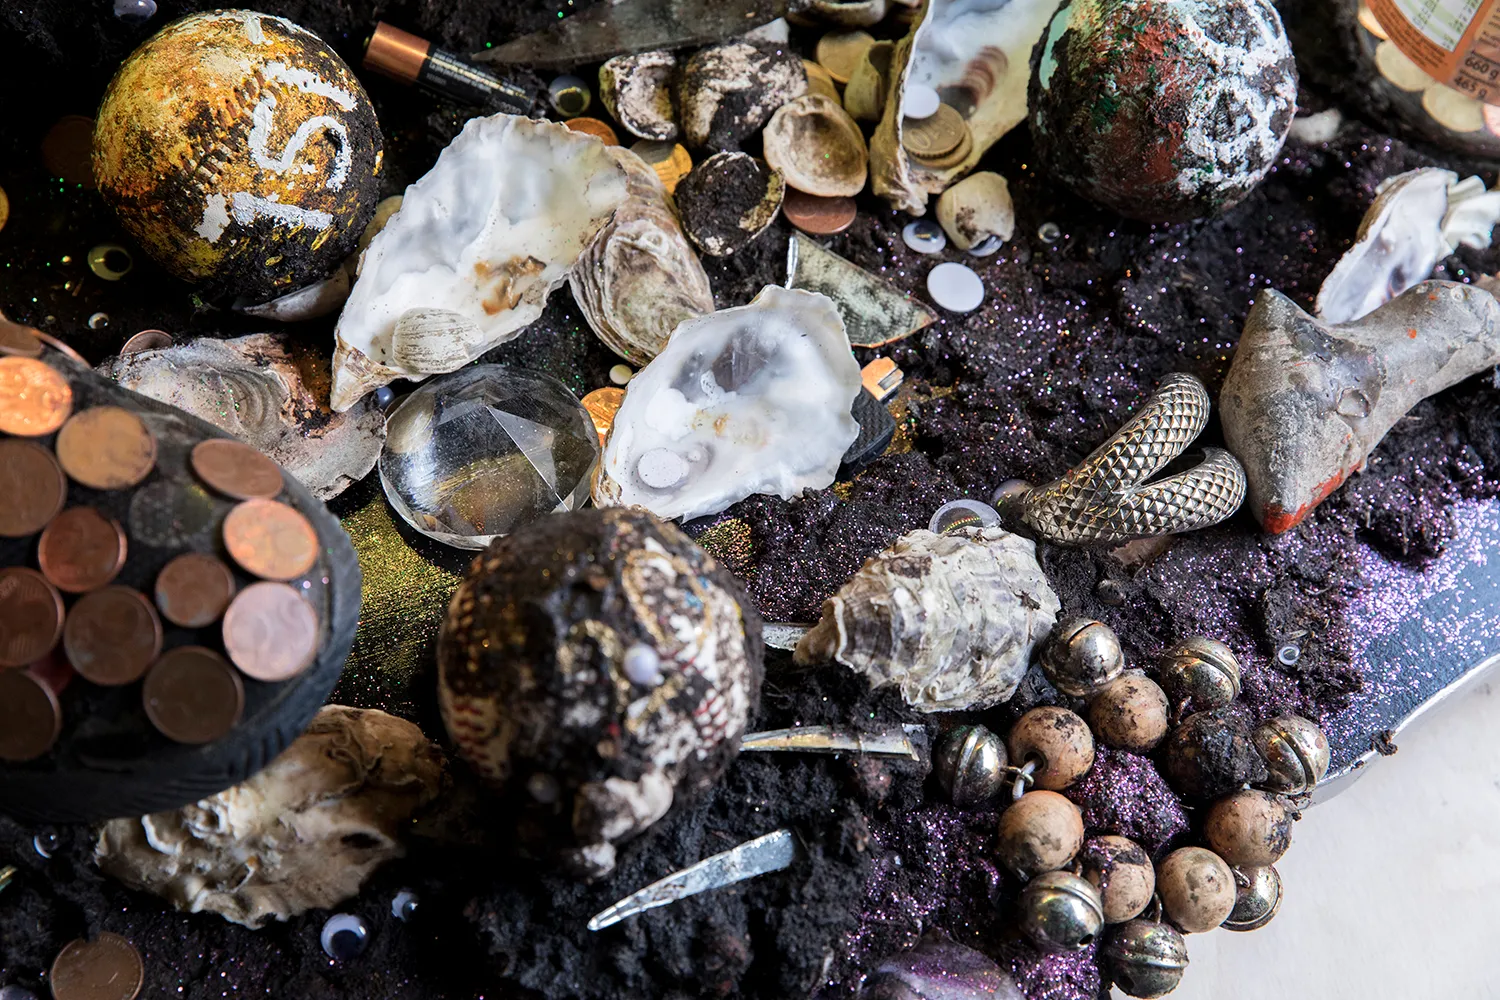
(1058, 740)
(1146, 958)
(1210, 754)
(1257, 899)
(1039, 833)
(1129, 713)
(970, 765)
(1200, 674)
(1082, 656)
(1250, 828)
(1197, 889)
(1122, 872)
(1295, 751)
(1061, 912)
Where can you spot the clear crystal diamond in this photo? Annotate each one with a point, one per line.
(484, 450)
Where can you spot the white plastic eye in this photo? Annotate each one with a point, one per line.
(345, 936)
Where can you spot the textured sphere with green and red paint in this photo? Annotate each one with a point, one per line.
(1163, 110)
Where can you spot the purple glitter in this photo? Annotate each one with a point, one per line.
(1124, 795)
(1071, 975)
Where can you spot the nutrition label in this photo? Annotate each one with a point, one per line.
(1455, 41)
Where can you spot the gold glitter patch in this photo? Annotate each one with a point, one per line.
(729, 542)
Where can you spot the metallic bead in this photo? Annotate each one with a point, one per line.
(1257, 898)
(1061, 912)
(1082, 656)
(1200, 672)
(1295, 750)
(1146, 958)
(970, 764)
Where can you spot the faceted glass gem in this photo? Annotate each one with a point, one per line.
(482, 451)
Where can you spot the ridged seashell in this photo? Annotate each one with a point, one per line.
(487, 234)
(640, 278)
(597, 666)
(949, 619)
(864, 96)
(976, 208)
(252, 387)
(977, 55)
(749, 400)
(1416, 220)
(817, 147)
(729, 91)
(850, 13)
(938, 968)
(639, 91)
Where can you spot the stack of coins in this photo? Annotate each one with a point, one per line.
(70, 614)
(940, 141)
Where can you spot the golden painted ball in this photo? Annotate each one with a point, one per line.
(240, 151)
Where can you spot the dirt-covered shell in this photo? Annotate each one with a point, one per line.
(949, 619)
(639, 91)
(729, 91)
(596, 667)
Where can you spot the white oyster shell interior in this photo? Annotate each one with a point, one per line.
(483, 238)
(1417, 219)
(949, 619)
(749, 400)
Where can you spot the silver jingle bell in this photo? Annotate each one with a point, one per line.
(970, 764)
(1146, 958)
(1082, 656)
(1061, 911)
(1257, 898)
(1202, 672)
(1295, 751)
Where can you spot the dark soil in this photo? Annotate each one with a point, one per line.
(1073, 336)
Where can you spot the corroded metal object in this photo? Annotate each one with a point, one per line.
(1110, 496)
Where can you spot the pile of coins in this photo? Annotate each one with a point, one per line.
(66, 614)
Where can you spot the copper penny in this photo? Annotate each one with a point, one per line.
(106, 968)
(30, 716)
(270, 540)
(34, 398)
(602, 405)
(106, 447)
(67, 149)
(594, 127)
(193, 695)
(147, 340)
(818, 216)
(193, 590)
(18, 341)
(81, 550)
(270, 632)
(31, 616)
(112, 635)
(935, 135)
(32, 488)
(236, 469)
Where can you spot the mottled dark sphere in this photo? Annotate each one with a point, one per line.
(1209, 755)
(1163, 110)
(597, 667)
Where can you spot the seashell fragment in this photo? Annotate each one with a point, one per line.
(254, 387)
(749, 400)
(1416, 220)
(729, 91)
(639, 279)
(817, 147)
(864, 97)
(639, 91)
(1306, 402)
(486, 235)
(977, 208)
(949, 619)
(850, 13)
(977, 55)
(728, 200)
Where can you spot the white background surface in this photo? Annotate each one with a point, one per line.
(1392, 889)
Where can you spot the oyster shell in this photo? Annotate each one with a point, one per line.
(640, 278)
(949, 619)
(1416, 220)
(729, 91)
(638, 91)
(976, 208)
(817, 147)
(479, 243)
(268, 390)
(977, 55)
(749, 400)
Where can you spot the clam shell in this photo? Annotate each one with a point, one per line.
(864, 97)
(640, 278)
(817, 147)
(948, 619)
(638, 91)
(976, 208)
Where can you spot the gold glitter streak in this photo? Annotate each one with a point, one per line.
(729, 542)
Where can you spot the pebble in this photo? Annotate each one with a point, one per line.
(621, 374)
(924, 236)
(955, 288)
(921, 101)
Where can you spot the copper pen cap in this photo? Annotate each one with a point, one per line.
(395, 53)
